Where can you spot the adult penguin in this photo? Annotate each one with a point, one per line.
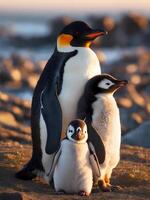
(57, 93)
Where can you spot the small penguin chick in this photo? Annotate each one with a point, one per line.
(73, 171)
(77, 131)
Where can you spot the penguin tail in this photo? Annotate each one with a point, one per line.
(26, 173)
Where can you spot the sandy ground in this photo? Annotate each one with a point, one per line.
(132, 174)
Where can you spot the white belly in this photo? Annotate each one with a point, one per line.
(78, 70)
(46, 158)
(106, 121)
(73, 172)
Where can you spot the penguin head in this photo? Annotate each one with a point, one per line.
(77, 131)
(78, 34)
(105, 84)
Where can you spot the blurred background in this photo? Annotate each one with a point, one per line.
(28, 31)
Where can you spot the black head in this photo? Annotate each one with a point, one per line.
(78, 34)
(104, 84)
(77, 131)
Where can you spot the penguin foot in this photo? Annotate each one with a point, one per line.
(60, 192)
(51, 183)
(106, 187)
(82, 193)
(26, 173)
(103, 186)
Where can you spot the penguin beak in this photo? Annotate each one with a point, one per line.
(78, 135)
(95, 33)
(121, 83)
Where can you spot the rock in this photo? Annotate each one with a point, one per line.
(7, 118)
(127, 122)
(134, 23)
(124, 102)
(11, 196)
(136, 96)
(139, 136)
(16, 75)
(17, 60)
(131, 68)
(32, 80)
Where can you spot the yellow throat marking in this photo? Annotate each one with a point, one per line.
(64, 40)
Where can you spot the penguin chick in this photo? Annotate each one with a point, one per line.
(99, 107)
(73, 170)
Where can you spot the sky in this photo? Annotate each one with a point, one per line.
(85, 6)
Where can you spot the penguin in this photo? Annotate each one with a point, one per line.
(100, 109)
(73, 171)
(57, 92)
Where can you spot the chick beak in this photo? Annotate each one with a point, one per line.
(121, 83)
(79, 135)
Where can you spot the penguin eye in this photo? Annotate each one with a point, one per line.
(78, 129)
(107, 83)
(70, 131)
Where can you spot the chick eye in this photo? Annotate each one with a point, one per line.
(107, 83)
(79, 129)
(70, 131)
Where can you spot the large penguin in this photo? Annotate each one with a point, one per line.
(57, 93)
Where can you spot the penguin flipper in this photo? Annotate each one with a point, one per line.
(94, 162)
(52, 115)
(97, 142)
(55, 160)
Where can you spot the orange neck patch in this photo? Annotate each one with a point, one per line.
(64, 40)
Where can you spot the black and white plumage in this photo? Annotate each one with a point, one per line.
(98, 106)
(76, 162)
(57, 93)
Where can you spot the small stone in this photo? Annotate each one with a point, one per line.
(16, 75)
(137, 118)
(136, 79)
(32, 80)
(132, 68)
(4, 97)
(124, 102)
(135, 96)
(7, 118)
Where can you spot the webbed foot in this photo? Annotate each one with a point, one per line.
(83, 193)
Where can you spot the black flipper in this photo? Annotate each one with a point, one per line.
(52, 115)
(94, 163)
(97, 142)
(51, 110)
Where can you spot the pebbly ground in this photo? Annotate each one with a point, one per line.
(132, 173)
